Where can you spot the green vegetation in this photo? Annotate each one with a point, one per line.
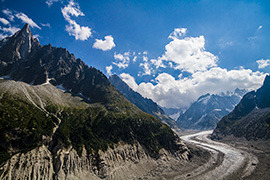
(95, 126)
(22, 125)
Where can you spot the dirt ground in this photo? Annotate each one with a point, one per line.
(259, 148)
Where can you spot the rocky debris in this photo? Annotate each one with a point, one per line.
(123, 162)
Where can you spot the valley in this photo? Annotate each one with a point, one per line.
(226, 162)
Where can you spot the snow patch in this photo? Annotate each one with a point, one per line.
(217, 110)
(175, 116)
(205, 100)
(5, 77)
(61, 87)
(200, 119)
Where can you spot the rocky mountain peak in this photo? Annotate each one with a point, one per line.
(18, 46)
(26, 29)
(250, 118)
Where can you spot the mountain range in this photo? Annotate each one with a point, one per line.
(205, 113)
(250, 118)
(145, 104)
(61, 119)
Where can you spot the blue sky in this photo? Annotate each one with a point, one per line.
(170, 51)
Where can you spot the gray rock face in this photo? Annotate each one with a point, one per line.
(145, 104)
(122, 162)
(205, 113)
(250, 118)
(23, 58)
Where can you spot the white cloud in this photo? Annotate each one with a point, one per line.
(130, 80)
(260, 27)
(145, 52)
(158, 63)
(178, 93)
(189, 54)
(24, 18)
(109, 70)
(2, 36)
(135, 58)
(74, 29)
(10, 30)
(146, 67)
(263, 63)
(177, 33)
(50, 2)
(122, 60)
(46, 25)
(7, 31)
(9, 14)
(104, 45)
(4, 21)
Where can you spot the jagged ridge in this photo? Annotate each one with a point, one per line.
(250, 118)
(205, 113)
(145, 104)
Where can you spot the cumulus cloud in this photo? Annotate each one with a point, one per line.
(50, 2)
(4, 21)
(146, 67)
(73, 28)
(10, 30)
(189, 54)
(177, 33)
(104, 45)
(9, 14)
(263, 63)
(122, 60)
(171, 92)
(204, 76)
(109, 70)
(7, 31)
(24, 18)
(130, 80)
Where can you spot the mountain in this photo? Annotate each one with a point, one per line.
(205, 113)
(250, 118)
(145, 104)
(174, 113)
(61, 119)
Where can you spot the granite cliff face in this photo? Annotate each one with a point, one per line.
(145, 104)
(205, 113)
(61, 119)
(250, 118)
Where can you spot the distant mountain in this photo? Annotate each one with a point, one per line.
(250, 118)
(205, 113)
(174, 113)
(61, 119)
(145, 104)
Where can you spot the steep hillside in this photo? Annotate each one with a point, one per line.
(205, 113)
(250, 118)
(65, 119)
(145, 104)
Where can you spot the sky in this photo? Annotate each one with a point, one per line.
(172, 51)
